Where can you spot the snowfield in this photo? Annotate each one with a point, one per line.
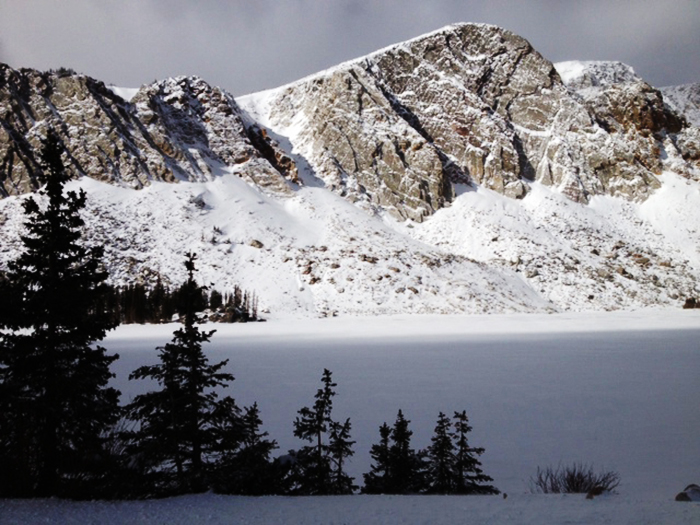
(619, 390)
(311, 253)
(211, 509)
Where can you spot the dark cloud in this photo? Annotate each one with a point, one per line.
(246, 46)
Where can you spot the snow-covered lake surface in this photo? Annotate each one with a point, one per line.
(619, 390)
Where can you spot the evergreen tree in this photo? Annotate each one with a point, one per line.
(468, 476)
(177, 426)
(339, 449)
(216, 300)
(135, 304)
(397, 468)
(244, 466)
(54, 399)
(406, 466)
(313, 471)
(441, 459)
(377, 479)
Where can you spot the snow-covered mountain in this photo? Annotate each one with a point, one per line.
(458, 172)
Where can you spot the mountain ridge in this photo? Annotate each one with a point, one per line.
(455, 172)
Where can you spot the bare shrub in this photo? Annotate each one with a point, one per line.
(573, 479)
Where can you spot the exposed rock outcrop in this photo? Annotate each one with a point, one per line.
(176, 129)
(648, 132)
(690, 493)
(476, 103)
(579, 75)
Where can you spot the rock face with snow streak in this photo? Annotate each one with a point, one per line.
(393, 131)
(646, 131)
(175, 129)
(473, 103)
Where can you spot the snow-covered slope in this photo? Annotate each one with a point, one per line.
(313, 253)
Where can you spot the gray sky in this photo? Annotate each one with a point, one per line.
(251, 45)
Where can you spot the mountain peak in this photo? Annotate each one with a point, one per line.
(466, 104)
(578, 74)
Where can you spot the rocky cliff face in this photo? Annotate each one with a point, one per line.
(685, 100)
(177, 129)
(477, 104)
(647, 130)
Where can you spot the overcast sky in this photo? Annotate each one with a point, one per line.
(251, 45)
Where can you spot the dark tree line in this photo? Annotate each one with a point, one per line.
(138, 304)
(63, 432)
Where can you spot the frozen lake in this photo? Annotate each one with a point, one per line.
(619, 390)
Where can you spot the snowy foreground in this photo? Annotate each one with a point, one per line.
(619, 390)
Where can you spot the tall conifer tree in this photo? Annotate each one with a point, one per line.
(54, 401)
(406, 464)
(178, 432)
(313, 472)
(339, 449)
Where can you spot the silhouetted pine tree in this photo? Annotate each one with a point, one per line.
(441, 459)
(157, 304)
(378, 478)
(313, 472)
(406, 465)
(339, 449)
(135, 305)
(178, 430)
(54, 401)
(216, 300)
(397, 468)
(243, 465)
(468, 476)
